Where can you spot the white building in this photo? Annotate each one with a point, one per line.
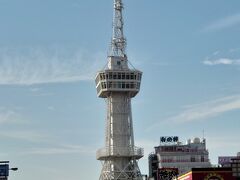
(173, 154)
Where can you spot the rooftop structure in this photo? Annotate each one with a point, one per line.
(117, 83)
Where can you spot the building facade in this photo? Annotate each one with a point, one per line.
(173, 154)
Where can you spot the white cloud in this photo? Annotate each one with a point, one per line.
(63, 149)
(10, 117)
(207, 109)
(223, 23)
(29, 136)
(38, 65)
(201, 111)
(233, 50)
(222, 61)
(51, 108)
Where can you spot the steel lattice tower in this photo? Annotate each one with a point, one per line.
(118, 84)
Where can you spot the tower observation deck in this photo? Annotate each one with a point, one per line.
(117, 83)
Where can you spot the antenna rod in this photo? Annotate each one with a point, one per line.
(118, 43)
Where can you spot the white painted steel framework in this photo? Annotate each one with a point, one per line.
(118, 84)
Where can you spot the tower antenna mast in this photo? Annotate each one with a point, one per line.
(118, 43)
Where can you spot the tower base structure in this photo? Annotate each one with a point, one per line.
(112, 169)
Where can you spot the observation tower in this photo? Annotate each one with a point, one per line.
(118, 84)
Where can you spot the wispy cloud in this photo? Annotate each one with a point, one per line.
(201, 111)
(207, 109)
(223, 23)
(38, 65)
(10, 117)
(222, 61)
(233, 50)
(63, 149)
(29, 136)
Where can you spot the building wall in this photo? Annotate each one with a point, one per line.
(183, 156)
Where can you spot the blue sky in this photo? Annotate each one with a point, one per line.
(51, 121)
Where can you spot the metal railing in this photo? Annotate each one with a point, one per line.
(120, 151)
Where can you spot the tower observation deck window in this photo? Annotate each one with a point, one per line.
(109, 84)
(119, 85)
(110, 75)
(123, 75)
(132, 85)
(132, 76)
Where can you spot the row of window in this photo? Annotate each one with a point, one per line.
(120, 85)
(120, 75)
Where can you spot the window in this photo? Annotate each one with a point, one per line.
(139, 76)
(132, 85)
(123, 76)
(131, 76)
(119, 85)
(119, 76)
(109, 84)
(110, 75)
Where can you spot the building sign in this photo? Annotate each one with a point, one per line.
(169, 139)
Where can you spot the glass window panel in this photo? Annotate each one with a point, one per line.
(110, 75)
(131, 76)
(123, 76)
(119, 76)
(119, 84)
